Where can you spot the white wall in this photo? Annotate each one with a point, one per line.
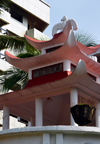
(34, 33)
(35, 7)
(4, 65)
(5, 16)
(51, 135)
(16, 27)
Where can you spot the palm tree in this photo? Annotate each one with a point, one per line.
(15, 78)
(16, 43)
(85, 38)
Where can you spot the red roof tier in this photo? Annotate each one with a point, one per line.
(57, 39)
(21, 102)
(88, 50)
(70, 50)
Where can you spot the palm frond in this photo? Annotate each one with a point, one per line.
(16, 43)
(13, 77)
(12, 42)
(2, 72)
(85, 38)
(25, 55)
(31, 49)
(5, 4)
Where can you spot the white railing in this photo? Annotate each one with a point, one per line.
(93, 58)
(2, 56)
(3, 31)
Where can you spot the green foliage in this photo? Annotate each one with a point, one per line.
(85, 38)
(1, 72)
(16, 43)
(13, 77)
(5, 4)
(12, 42)
(84, 104)
(25, 55)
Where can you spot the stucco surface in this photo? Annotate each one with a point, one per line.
(34, 135)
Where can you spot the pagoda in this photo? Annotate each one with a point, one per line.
(65, 74)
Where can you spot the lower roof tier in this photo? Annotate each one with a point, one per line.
(55, 95)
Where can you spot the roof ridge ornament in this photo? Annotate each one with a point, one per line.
(60, 26)
(80, 68)
(71, 41)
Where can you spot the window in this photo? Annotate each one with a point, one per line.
(16, 16)
(72, 67)
(48, 70)
(52, 49)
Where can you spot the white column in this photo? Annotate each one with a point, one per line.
(30, 74)
(98, 115)
(59, 138)
(43, 51)
(38, 112)
(29, 124)
(25, 22)
(73, 101)
(5, 117)
(46, 138)
(66, 65)
(98, 80)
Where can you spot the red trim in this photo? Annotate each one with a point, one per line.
(57, 35)
(48, 78)
(10, 55)
(88, 50)
(33, 39)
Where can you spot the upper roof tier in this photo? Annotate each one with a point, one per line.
(69, 49)
(57, 39)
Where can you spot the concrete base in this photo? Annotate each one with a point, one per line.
(51, 135)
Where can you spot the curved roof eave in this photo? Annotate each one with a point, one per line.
(88, 50)
(42, 44)
(79, 79)
(69, 50)
(38, 44)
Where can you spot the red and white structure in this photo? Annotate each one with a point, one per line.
(65, 72)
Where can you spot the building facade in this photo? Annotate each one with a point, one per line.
(29, 17)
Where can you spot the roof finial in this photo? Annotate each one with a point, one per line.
(60, 26)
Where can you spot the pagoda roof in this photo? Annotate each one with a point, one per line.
(56, 40)
(69, 50)
(21, 103)
(88, 50)
(59, 39)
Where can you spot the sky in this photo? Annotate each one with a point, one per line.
(85, 12)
